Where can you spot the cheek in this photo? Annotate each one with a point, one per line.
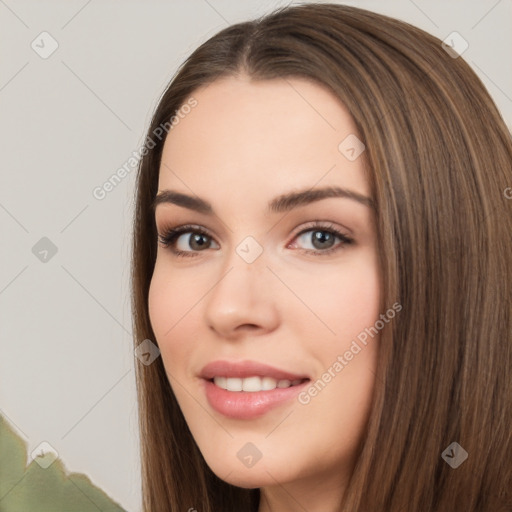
(172, 295)
(160, 304)
(171, 313)
(345, 299)
(357, 303)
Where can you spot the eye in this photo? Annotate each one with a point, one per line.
(317, 239)
(321, 240)
(187, 240)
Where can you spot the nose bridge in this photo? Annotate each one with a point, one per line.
(245, 265)
(244, 294)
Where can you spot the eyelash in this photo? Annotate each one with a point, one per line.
(169, 237)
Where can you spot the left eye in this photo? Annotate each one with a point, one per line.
(321, 239)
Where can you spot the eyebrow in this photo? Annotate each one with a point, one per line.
(279, 204)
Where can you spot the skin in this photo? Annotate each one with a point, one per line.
(245, 143)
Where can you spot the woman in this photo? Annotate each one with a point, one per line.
(321, 253)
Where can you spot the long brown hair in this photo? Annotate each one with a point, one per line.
(439, 157)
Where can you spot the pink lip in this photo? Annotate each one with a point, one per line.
(247, 405)
(246, 369)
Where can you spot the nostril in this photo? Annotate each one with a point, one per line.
(248, 327)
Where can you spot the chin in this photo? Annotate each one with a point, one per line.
(260, 475)
(246, 479)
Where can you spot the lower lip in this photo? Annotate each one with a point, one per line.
(245, 405)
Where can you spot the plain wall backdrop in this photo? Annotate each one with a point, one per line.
(69, 120)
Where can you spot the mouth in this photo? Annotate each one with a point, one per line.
(254, 384)
(248, 389)
(245, 370)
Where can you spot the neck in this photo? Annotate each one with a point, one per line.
(324, 494)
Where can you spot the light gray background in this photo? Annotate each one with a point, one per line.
(68, 123)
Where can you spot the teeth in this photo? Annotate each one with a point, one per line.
(234, 384)
(268, 383)
(222, 382)
(253, 384)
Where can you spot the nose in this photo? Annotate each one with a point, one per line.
(243, 300)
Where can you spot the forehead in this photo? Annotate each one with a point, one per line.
(261, 136)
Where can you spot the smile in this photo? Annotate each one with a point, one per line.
(247, 390)
(254, 384)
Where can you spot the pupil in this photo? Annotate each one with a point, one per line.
(199, 241)
(321, 239)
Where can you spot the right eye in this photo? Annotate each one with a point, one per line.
(187, 240)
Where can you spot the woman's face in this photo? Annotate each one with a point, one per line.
(274, 284)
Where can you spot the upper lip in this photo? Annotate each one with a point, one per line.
(242, 369)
